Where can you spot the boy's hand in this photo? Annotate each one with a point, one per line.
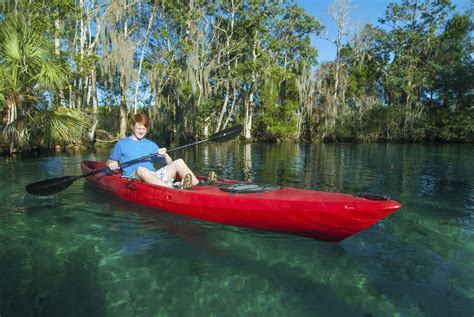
(162, 152)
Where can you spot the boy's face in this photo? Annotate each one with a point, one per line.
(139, 130)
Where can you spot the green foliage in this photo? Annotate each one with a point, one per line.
(278, 122)
(371, 125)
(411, 78)
(445, 125)
(291, 41)
(452, 77)
(58, 126)
(420, 67)
(46, 128)
(29, 70)
(278, 101)
(27, 58)
(363, 63)
(410, 46)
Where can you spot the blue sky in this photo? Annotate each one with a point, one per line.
(366, 11)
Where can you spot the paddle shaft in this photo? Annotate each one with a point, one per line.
(54, 185)
(226, 134)
(131, 162)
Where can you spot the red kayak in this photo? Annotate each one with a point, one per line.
(320, 215)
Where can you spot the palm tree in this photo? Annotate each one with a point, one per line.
(30, 74)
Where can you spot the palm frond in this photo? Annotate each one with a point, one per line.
(59, 126)
(53, 75)
(28, 68)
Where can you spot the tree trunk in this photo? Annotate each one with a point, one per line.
(191, 74)
(232, 107)
(57, 51)
(95, 115)
(224, 108)
(248, 170)
(123, 105)
(142, 56)
(249, 105)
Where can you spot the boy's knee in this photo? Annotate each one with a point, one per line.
(141, 170)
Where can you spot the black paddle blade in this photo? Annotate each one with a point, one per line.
(50, 186)
(227, 134)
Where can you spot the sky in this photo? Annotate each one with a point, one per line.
(366, 11)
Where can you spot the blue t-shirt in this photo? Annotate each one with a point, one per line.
(128, 149)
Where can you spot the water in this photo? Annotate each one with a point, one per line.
(83, 253)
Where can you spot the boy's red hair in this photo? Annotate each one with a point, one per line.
(140, 118)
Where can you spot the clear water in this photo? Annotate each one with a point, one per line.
(83, 253)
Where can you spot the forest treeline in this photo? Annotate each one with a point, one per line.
(73, 71)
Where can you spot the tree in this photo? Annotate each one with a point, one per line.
(286, 81)
(119, 47)
(449, 97)
(332, 77)
(29, 71)
(408, 49)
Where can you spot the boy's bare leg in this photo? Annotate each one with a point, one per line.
(179, 167)
(145, 175)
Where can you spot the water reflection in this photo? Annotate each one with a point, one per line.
(247, 161)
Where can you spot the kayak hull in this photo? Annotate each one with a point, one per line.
(319, 215)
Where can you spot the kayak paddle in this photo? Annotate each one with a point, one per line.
(54, 185)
